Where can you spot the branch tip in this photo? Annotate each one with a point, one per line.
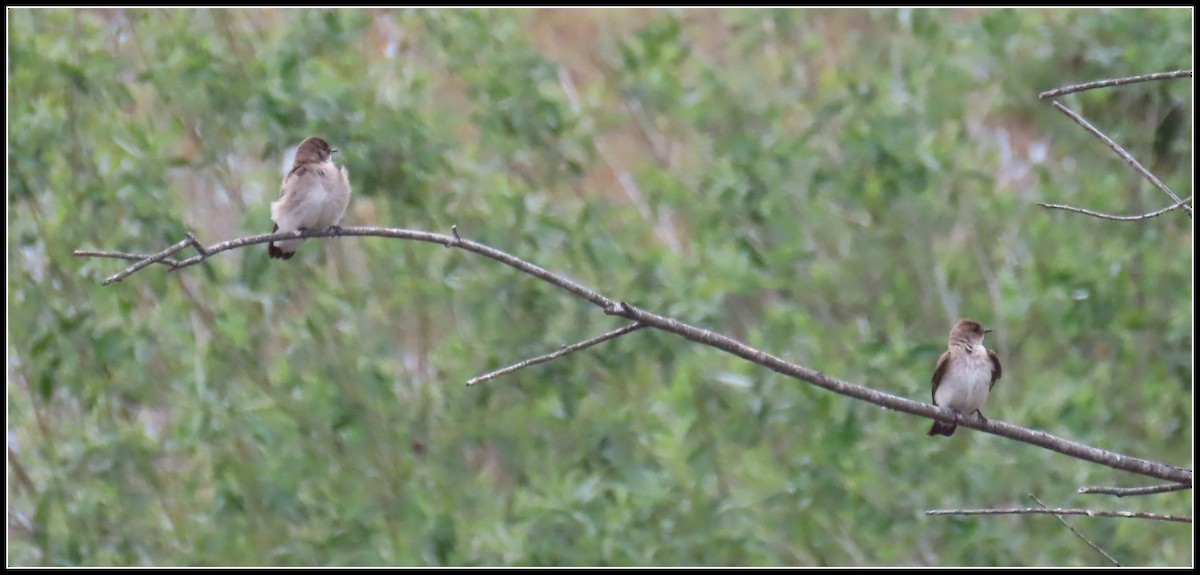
(1131, 491)
(563, 350)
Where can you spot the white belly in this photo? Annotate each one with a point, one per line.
(317, 207)
(315, 202)
(329, 207)
(966, 383)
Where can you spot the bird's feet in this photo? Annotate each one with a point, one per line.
(336, 229)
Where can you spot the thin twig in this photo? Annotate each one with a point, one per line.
(1087, 512)
(1120, 152)
(153, 258)
(729, 345)
(1129, 491)
(561, 352)
(171, 263)
(1114, 82)
(1077, 533)
(662, 229)
(1117, 218)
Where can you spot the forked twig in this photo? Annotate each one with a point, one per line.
(1122, 153)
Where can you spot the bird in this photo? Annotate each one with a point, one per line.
(965, 374)
(314, 195)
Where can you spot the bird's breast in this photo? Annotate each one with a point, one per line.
(966, 382)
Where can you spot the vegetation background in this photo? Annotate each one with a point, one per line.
(832, 186)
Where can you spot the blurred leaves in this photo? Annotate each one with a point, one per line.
(831, 186)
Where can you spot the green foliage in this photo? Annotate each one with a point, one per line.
(834, 187)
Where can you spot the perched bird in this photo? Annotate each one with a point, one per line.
(314, 195)
(965, 374)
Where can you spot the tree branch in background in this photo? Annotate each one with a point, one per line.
(715, 340)
(1121, 152)
(564, 351)
(664, 231)
(1087, 512)
(1077, 533)
(1117, 218)
(1114, 82)
(1130, 491)
(1118, 491)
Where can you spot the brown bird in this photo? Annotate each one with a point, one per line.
(314, 195)
(965, 374)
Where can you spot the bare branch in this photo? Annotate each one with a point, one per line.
(734, 347)
(1117, 218)
(123, 256)
(160, 256)
(141, 259)
(1077, 533)
(1087, 512)
(1129, 491)
(664, 232)
(1114, 82)
(1121, 152)
(1039, 438)
(561, 352)
(415, 235)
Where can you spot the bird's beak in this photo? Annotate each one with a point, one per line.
(987, 331)
(333, 151)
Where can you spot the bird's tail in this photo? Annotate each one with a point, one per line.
(275, 252)
(940, 428)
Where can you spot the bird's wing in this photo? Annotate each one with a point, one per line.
(940, 371)
(295, 174)
(995, 369)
